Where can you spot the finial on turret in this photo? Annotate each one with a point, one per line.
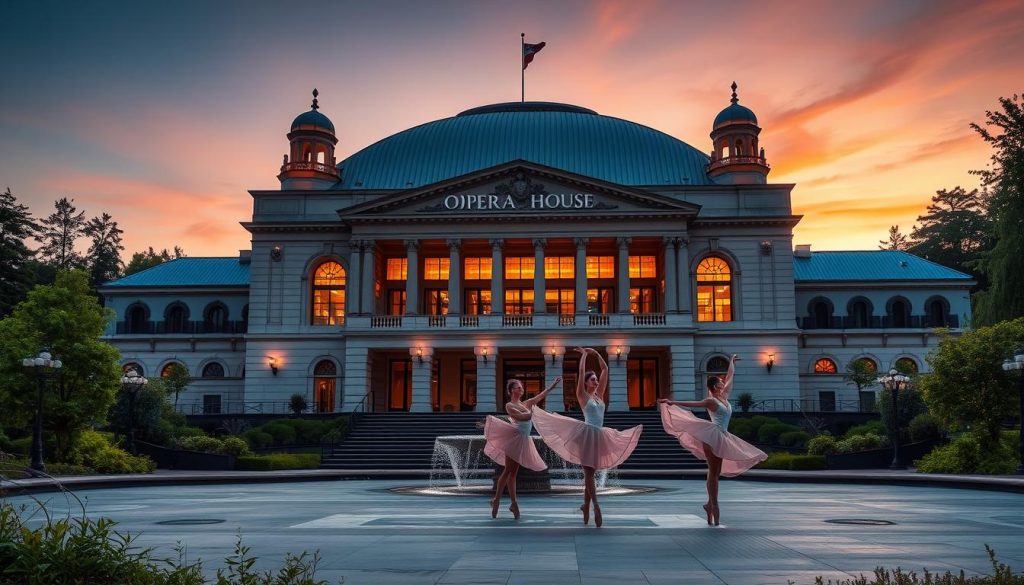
(316, 104)
(734, 97)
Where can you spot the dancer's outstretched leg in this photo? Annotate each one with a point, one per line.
(588, 481)
(709, 507)
(713, 480)
(513, 472)
(498, 488)
(598, 520)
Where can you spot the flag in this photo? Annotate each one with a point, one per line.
(529, 51)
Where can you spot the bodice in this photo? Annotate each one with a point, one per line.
(593, 413)
(525, 426)
(722, 414)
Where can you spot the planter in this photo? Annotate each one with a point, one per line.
(880, 458)
(178, 459)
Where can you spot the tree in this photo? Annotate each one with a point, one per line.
(955, 230)
(1004, 298)
(861, 373)
(176, 381)
(144, 260)
(105, 251)
(16, 274)
(58, 234)
(66, 318)
(149, 408)
(896, 241)
(967, 388)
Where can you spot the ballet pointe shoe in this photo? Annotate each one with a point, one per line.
(495, 502)
(716, 515)
(598, 520)
(709, 511)
(514, 508)
(586, 513)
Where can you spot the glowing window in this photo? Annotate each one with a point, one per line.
(600, 267)
(398, 268)
(643, 267)
(560, 300)
(559, 267)
(436, 268)
(825, 366)
(169, 368)
(714, 290)
(328, 294)
(519, 301)
(519, 267)
(478, 268)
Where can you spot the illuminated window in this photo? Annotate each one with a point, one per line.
(435, 301)
(396, 302)
(478, 268)
(519, 301)
(398, 268)
(559, 267)
(166, 371)
(714, 290)
(478, 301)
(599, 300)
(600, 267)
(519, 267)
(643, 267)
(560, 300)
(825, 366)
(436, 268)
(905, 365)
(869, 363)
(642, 300)
(328, 294)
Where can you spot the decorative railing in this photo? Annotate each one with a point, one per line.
(181, 328)
(649, 319)
(567, 320)
(309, 166)
(435, 320)
(385, 322)
(469, 321)
(879, 322)
(599, 320)
(517, 320)
(739, 160)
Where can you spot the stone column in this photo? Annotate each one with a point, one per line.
(671, 296)
(368, 296)
(581, 275)
(454, 277)
(683, 276)
(486, 379)
(622, 274)
(539, 283)
(553, 367)
(422, 365)
(412, 277)
(497, 279)
(356, 381)
(617, 399)
(352, 280)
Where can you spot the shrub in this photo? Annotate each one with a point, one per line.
(780, 460)
(769, 433)
(5, 442)
(789, 461)
(858, 443)
(821, 445)
(283, 433)
(94, 449)
(742, 428)
(21, 446)
(745, 401)
(278, 461)
(966, 455)
(924, 427)
(874, 427)
(794, 438)
(1001, 575)
(68, 469)
(297, 404)
(258, 439)
(227, 446)
(235, 446)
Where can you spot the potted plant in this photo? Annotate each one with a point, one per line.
(745, 401)
(298, 404)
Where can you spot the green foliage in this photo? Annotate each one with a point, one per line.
(924, 427)
(258, 439)
(297, 431)
(794, 438)
(297, 404)
(821, 445)
(909, 403)
(66, 318)
(104, 257)
(5, 442)
(96, 450)
(743, 428)
(144, 260)
(967, 387)
(278, 461)
(16, 273)
(149, 409)
(954, 231)
(789, 461)
(1001, 575)
(745, 401)
(874, 427)
(769, 432)
(858, 443)
(861, 374)
(896, 241)
(58, 233)
(283, 433)
(967, 454)
(227, 446)
(84, 550)
(176, 381)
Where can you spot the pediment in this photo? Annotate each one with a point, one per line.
(519, 189)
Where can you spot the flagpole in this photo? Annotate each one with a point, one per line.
(522, 67)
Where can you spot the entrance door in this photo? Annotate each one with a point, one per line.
(325, 373)
(529, 372)
(467, 385)
(642, 383)
(400, 385)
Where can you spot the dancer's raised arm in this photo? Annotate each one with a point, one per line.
(540, 396)
(581, 382)
(727, 379)
(708, 403)
(602, 379)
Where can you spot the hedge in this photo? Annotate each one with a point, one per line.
(278, 461)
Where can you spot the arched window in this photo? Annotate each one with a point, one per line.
(325, 375)
(215, 318)
(868, 363)
(905, 365)
(898, 312)
(169, 367)
(937, 311)
(825, 366)
(328, 294)
(716, 366)
(859, 313)
(714, 290)
(136, 318)
(129, 366)
(820, 310)
(176, 318)
(213, 370)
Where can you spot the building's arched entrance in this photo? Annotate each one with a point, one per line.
(325, 376)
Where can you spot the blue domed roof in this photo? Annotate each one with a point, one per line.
(561, 136)
(735, 113)
(312, 118)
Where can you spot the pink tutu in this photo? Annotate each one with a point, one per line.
(583, 444)
(693, 433)
(506, 440)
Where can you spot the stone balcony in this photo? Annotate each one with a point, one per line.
(602, 321)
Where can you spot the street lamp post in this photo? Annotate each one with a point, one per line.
(894, 382)
(131, 383)
(1015, 368)
(42, 366)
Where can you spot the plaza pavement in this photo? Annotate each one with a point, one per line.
(772, 532)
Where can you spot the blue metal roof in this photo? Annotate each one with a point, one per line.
(871, 266)
(313, 118)
(565, 137)
(735, 113)
(189, 272)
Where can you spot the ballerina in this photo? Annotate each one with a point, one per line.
(725, 453)
(588, 443)
(510, 445)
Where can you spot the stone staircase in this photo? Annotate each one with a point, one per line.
(402, 443)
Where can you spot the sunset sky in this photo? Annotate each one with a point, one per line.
(165, 114)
